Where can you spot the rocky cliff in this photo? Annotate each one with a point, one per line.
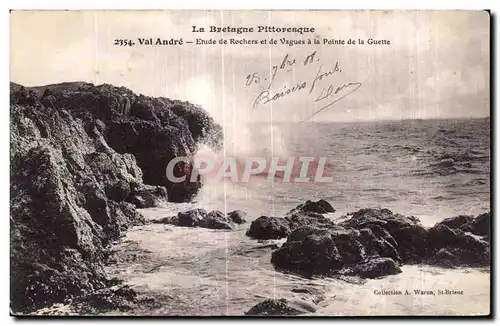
(83, 157)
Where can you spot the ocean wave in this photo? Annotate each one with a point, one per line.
(476, 182)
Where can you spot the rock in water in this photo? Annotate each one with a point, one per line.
(75, 180)
(199, 217)
(376, 267)
(216, 220)
(456, 222)
(373, 242)
(191, 217)
(237, 216)
(447, 162)
(462, 249)
(407, 231)
(307, 214)
(272, 307)
(266, 228)
(312, 251)
(481, 225)
(321, 206)
(147, 196)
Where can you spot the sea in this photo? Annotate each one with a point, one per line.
(431, 169)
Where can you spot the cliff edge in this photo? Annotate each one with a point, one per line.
(83, 157)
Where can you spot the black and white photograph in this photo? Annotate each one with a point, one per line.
(298, 163)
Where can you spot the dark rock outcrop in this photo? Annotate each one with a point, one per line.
(373, 242)
(199, 217)
(269, 227)
(481, 225)
(307, 214)
(216, 220)
(191, 217)
(271, 307)
(456, 221)
(201, 125)
(154, 130)
(116, 298)
(312, 251)
(376, 267)
(321, 206)
(466, 249)
(237, 216)
(75, 185)
(407, 231)
(147, 196)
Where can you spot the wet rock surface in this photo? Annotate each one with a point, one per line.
(375, 267)
(307, 214)
(456, 221)
(269, 227)
(321, 206)
(237, 216)
(147, 196)
(376, 242)
(190, 218)
(80, 157)
(480, 226)
(407, 233)
(119, 298)
(465, 249)
(154, 130)
(271, 307)
(199, 217)
(111, 300)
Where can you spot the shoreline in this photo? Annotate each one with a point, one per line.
(288, 286)
(205, 237)
(316, 294)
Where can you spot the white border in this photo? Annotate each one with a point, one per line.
(191, 4)
(254, 4)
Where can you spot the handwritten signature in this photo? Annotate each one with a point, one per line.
(344, 90)
(331, 93)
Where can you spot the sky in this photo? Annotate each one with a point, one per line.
(436, 66)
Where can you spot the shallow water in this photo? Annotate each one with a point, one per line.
(195, 271)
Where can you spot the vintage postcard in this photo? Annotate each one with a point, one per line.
(250, 163)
